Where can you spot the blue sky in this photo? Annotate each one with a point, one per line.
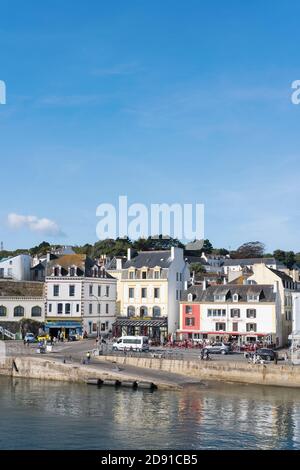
(173, 101)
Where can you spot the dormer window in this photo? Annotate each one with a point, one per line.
(253, 298)
(57, 271)
(219, 297)
(190, 297)
(235, 297)
(72, 271)
(144, 274)
(156, 274)
(131, 274)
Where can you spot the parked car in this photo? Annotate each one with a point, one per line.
(29, 338)
(73, 337)
(217, 348)
(44, 337)
(266, 354)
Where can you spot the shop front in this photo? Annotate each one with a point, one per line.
(155, 328)
(55, 328)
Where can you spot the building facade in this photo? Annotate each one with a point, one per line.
(80, 297)
(151, 288)
(242, 313)
(20, 300)
(16, 268)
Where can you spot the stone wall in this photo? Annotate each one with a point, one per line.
(261, 374)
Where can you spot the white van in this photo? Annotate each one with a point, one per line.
(132, 343)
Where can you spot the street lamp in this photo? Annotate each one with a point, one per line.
(99, 312)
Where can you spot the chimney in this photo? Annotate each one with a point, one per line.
(119, 264)
(193, 278)
(48, 256)
(204, 285)
(275, 287)
(224, 281)
(172, 252)
(185, 285)
(129, 254)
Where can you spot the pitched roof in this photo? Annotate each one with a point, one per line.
(249, 261)
(83, 263)
(150, 259)
(21, 289)
(265, 292)
(282, 275)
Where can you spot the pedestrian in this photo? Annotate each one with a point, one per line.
(88, 357)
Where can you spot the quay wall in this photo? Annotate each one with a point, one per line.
(50, 369)
(282, 375)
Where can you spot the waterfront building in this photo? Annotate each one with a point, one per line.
(20, 300)
(16, 268)
(151, 288)
(244, 313)
(286, 287)
(233, 268)
(80, 296)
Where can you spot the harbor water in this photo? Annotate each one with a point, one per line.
(55, 415)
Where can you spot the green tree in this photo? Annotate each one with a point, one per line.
(249, 250)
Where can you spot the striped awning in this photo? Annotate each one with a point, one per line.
(141, 322)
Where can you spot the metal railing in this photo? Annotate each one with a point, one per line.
(7, 333)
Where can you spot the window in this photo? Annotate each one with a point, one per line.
(219, 297)
(220, 327)
(102, 326)
(251, 313)
(131, 292)
(36, 311)
(143, 311)
(107, 291)
(67, 309)
(180, 277)
(235, 312)
(217, 312)
(156, 274)
(177, 298)
(2, 311)
(99, 291)
(177, 277)
(252, 297)
(99, 309)
(72, 272)
(144, 274)
(156, 292)
(90, 309)
(59, 309)
(144, 292)
(19, 311)
(235, 327)
(91, 289)
(251, 327)
(235, 298)
(56, 272)
(1, 272)
(188, 309)
(131, 274)
(156, 311)
(107, 308)
(56, 290)
(190, 321)
(77, 308)
(71, 291)
(50, 308)
(130, 311)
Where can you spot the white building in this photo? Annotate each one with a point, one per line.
(80, 297)
(235, 267)
(244, 313)
(151, 288)
(20, 300)
(16, 268)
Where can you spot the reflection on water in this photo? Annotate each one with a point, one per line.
(54, 415)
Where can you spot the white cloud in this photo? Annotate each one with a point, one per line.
(44, 226)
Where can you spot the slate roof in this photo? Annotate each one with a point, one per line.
(150, 259)
(83, 263)
(282, 275)
(249, 261)
(21, 289)
(199, 295)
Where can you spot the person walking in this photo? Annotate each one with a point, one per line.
(88, 357)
